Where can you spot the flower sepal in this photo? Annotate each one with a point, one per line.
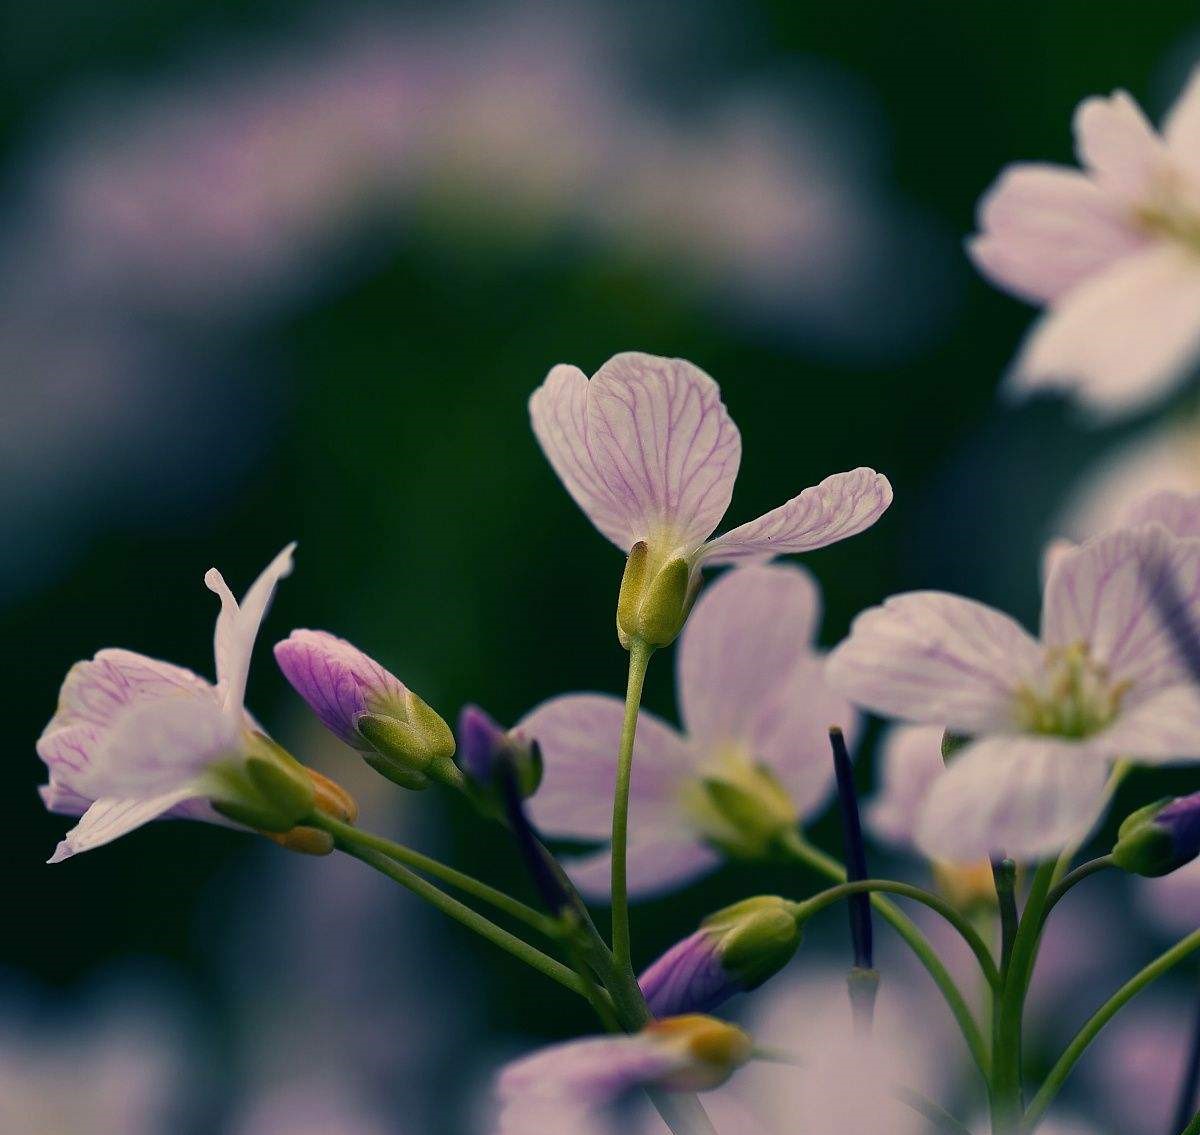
(755, 938)
(1160, 837)
(267, 788)
(412, 746)
(330, 799)
(655, 597)
(714, 1049)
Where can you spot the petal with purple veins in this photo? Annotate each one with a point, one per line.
(841, 506)
(930, 657)
(112, 817)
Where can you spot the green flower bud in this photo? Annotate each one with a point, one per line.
(1159, 838)
(410, 746)
(655, 597)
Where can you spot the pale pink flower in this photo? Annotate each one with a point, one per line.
(1112, 251)
(1110, 678)
(133, 738)
(649, 452)
(756, 711)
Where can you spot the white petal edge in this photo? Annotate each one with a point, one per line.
(1026, 797)
(112, 817)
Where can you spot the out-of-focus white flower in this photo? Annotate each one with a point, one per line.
(1112, 251)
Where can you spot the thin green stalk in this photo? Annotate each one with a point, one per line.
(918, 894)
(639, 660)
(1007, 1101)
(1192, 1128)
(1058, 1074)
(1004, 874)
(468, 884)
(1072, 878)
(469, 918)
(804, 852)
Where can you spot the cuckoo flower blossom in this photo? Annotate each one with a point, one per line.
(135, 739)
(649, 452)
(1111, 251)
(752, 760)
(584, 1077)
(1110, 678)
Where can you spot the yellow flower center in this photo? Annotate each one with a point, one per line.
(1075, 698)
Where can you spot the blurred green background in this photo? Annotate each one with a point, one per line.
(375, 408)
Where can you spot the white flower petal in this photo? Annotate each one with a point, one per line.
(1182, 126)
(1178, 513)
(1133, 597)
(910, 760)
(1122, 338)
(579, 735)
(1163, 729)
(660, 858)
(237, 627)
(841, 506)
(1026, 797)
(742, 640)
(646, 448)
(930, 657)
(1044, 229)
(112, 817)
(1116, 142)
(158, 747)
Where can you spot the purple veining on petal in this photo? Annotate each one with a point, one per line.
(339, 682)
(646, 445)
(841, 506)
(688, 978)
(927, 656)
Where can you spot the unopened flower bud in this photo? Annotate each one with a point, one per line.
(484, 746)
(266, 789)
(329, 798)
(368, 707)
(655, 597)
(743, 816)
(1157, 839)
(734, 951)
(714, 1049)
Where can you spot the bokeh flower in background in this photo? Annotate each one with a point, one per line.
(1110, 251)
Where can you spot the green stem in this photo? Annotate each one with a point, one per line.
(469, 918)
(1004, 874)
(1006, 1094)
(804, 852)
(918, 894)
(1192, 1128)
(1083, 871)
(468, 884)
(1058, 1074)
(639, 660)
